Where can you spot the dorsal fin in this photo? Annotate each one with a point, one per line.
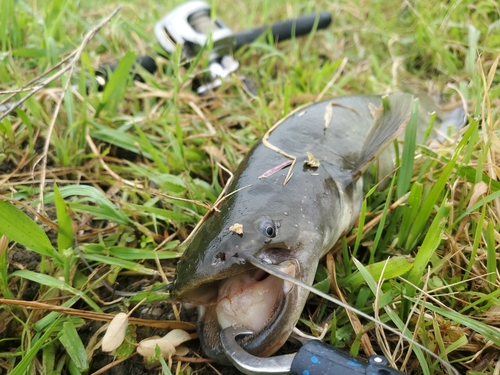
(390, 121)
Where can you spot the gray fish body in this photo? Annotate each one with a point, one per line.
(288, 225)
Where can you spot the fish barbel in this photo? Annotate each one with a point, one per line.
(289, 225)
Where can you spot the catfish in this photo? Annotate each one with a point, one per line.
(292, 197)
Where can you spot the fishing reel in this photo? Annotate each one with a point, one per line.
(190, 25)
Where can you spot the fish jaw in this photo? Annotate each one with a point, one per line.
(270, 307)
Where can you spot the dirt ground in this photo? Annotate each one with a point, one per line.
(20, 258)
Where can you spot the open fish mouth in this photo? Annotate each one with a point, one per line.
(253, 299)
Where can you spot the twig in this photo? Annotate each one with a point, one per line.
(100, 317)
(70, 67)
(333, 80)
(266, 143)
(35, 89)
(353, 318)
(109, 366)
(16, 91)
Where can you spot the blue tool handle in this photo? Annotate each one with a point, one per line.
(317, 358)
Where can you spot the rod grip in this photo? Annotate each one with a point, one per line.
(286, 29)
(146, 62)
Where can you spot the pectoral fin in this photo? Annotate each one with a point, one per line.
(390, 121)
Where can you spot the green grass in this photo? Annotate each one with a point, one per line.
(97, 197)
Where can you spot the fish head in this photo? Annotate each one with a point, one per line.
(228, 290)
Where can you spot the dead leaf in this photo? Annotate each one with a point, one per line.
(4, 242)
(273, 170)
(495, 142)
(181, 351)
(328, 115)
(115, 334)
(480, 189)
(217, 154)
(373, 109)
(312, 161)
(147, 348)
(236, 228)
(177, 337)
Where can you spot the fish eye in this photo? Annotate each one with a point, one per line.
(268, 228)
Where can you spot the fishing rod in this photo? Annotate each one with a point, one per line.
(191, 27)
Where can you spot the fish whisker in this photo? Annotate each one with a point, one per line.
(282, 275)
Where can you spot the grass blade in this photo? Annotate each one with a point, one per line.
(37, 343)
(381, 225)
(134, 254)
(394, 267)
(55, 283)
(65, 227)
(74, 346)
(405, 171)
(429, 246)
(104, 206)
(410, 212)
(163, 214)
(435, 193)
(18, 227)
(4, 268)
(121, 263)
(115, 88)
(491, 254)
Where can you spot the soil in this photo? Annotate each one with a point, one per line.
(7, 167)
(135, 365)
(20, 258)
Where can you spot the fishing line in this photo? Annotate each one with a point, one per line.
(280, 274)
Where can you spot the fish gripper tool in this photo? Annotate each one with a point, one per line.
(313, 358)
